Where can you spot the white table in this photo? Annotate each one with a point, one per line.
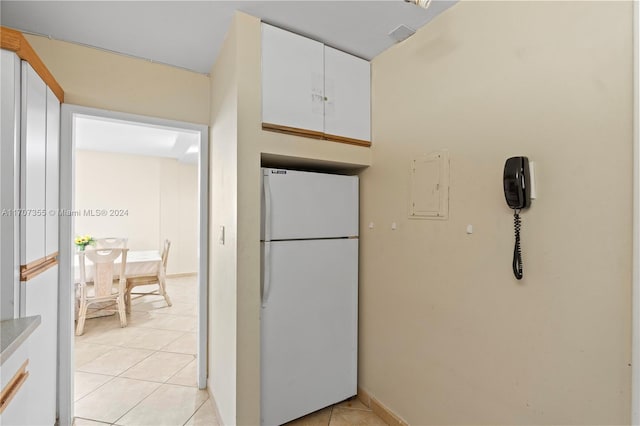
(139, 263)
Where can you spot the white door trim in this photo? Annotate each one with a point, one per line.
(635, 326)
(67, 202)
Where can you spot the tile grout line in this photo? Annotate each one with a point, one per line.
(91, 420)
(160, 384)
(195, 358)
(84, 396)
(330, 415)
(139, 402)
(166, 381)
(194, 413)
(141, 349)
(145, 358)
(128, 368)
(149, 349)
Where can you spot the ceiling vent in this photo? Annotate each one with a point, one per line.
(402, 33)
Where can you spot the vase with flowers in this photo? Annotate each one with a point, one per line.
(83, 241)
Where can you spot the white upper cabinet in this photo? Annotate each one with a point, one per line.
(39, 168)
(292, 80)
(314, 90)
(33, 165)
(9, 137)
(52, 172)
(347, 89)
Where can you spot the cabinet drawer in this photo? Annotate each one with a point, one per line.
(14, 393)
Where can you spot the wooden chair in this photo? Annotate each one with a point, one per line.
(158, 279)
(104, 287)
(111, 242)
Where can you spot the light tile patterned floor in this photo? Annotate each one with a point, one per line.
(348, 413)
(145, 374)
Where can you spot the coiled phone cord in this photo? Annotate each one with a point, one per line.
(517, 252)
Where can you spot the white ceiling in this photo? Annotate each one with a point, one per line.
(188, 34)
(107, 135)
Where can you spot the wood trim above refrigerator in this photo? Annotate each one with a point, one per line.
(14, 41)
(292, 131)
(35, 268)
(313, 134)
(344, 139)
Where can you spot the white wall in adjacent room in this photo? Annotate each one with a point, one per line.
(159, 196)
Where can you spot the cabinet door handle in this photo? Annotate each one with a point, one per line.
(13, 386)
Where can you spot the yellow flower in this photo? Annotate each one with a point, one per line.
(83, 240)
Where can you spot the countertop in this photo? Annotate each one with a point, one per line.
(14, 332)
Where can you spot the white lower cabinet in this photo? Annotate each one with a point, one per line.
(42, 297)
(17, 409)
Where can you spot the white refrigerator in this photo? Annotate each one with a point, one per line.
(309, 315)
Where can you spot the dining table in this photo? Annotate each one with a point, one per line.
(139, 263)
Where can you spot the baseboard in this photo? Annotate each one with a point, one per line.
(391, 418)
(184, 274)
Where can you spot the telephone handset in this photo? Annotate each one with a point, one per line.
(517, 190)
(517, 193)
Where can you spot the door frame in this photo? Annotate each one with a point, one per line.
(65, 300)
(635, 294)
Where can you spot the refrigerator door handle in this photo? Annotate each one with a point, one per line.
(267, 207)
(266, 287)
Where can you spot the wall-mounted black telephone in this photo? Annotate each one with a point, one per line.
(517, 192)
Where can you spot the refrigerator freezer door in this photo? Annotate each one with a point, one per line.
(304, 205)
(309, 328)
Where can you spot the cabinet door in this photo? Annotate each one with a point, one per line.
(32, 165)
(348, 95)
(52, 172)
(292, 80)
(9, 193)
(41, 295)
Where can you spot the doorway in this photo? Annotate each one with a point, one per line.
(73, 117)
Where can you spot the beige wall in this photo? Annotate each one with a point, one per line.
(447, 335)
(223, 178)
(161, 202)
(100, 79)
